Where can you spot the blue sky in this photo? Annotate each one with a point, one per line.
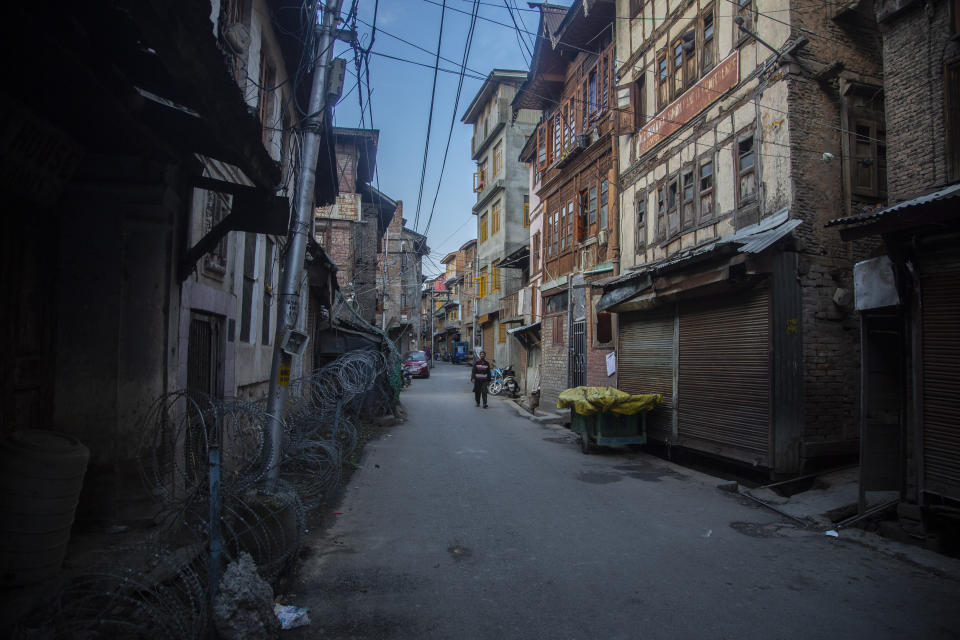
(401, 99)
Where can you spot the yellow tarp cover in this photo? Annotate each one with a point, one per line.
(589, 400)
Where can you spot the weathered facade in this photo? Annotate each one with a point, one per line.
(908, 295)
(571, 82)
(142, 256)
(400, 275)
(500, 183)
(351, 230)
(735, 302)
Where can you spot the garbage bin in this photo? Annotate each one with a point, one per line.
(607, 416)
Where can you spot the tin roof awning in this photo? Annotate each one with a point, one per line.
(752, 239)
(931, 208)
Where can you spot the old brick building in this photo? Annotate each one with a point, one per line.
(745, 128)
(350, 231)
(576, 243)
(909, 293)
(399, 279)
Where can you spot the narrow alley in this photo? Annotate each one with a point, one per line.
(472, 523)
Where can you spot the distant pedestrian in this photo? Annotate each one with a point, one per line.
(480, 377)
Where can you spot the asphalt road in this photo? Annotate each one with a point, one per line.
(473, 523)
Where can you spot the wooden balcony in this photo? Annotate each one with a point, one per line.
(509, 306)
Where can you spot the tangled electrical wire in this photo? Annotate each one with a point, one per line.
(161, 588)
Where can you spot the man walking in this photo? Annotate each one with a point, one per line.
(480, 377)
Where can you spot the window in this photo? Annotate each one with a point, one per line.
(560, 231)
(604, 330)
(526, 212)
(502, 334)
(639, 102)
(495, 218)
(604, 196)
(249, 278)
(495, 276)
(673, 200)
(677, 67)
(480, 177)
(554, 232)
(569, 232)
(869, 158)
(688, 211)
(747, 11)
(535, 254)
(661, 211)
(542, 146)
(592, 206)
(592, 97)
(217, 208)
(746, 170)
(706, 189)
(483, 227)
(663, 80)
(452, 316)
(267, 293)
(558, 330)
(403, 300)
(498, 158)
(640, 214)
(483, 282)
(708, 53)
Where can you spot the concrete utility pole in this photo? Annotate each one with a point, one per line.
(287, 310)
(433, 305)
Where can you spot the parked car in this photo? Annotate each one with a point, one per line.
(415, 362)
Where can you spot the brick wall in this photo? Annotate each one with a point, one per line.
(831, 351)
(915, 47)
(553, 368)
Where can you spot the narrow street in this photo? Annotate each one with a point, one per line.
(473, 523)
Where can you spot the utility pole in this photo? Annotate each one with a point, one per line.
(287, 309)
(433, 310)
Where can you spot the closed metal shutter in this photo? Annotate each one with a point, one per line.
(940, 286)
(645, 363)
(724, 376)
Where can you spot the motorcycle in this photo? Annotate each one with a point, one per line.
(504, 380)
(406, 377)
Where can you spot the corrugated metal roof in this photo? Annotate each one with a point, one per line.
(947, 193)
(526, 327)
(755, 238)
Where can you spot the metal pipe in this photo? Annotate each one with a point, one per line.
(766, 504)
(287, 310)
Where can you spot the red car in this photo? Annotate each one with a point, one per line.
(416, 363)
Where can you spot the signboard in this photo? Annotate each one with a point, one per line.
(697, 98)
(611, 363)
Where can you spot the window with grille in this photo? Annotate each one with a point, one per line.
(502, 334)
(497, 159)
(495, 218)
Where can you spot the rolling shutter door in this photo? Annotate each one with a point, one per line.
(645, 363)
(488, 343)
(940, 286)
(724, 376)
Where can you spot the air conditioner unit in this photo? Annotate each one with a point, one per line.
(602, 237)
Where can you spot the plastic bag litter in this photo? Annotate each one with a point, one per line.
(590, 400)
(291, 617)
(832, 533)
